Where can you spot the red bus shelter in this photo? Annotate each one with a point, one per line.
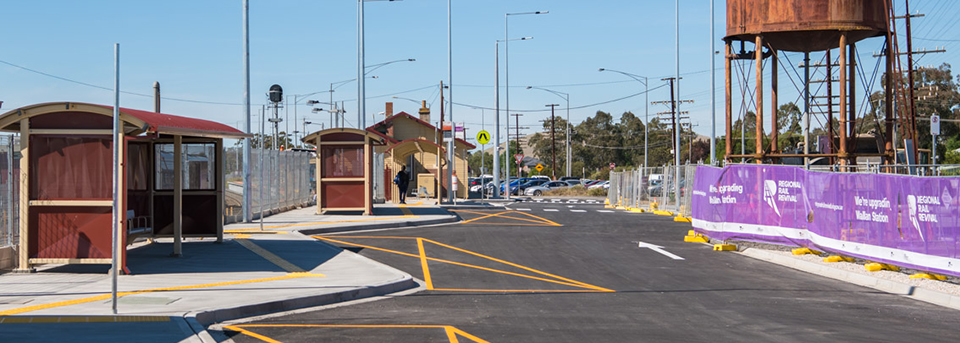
(172, 183)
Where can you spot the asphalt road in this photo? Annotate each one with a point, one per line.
(559, 272)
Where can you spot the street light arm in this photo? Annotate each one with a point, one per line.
(524, 13)
(632, 76)
(373, 67)
(562, 95)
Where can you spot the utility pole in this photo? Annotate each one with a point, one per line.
(553, 140)
(673, 115)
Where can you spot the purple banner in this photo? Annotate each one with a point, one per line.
(902, 220)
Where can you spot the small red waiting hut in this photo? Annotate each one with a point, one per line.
(344, 169)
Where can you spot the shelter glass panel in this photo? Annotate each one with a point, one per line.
(342, 162)
(70, 168)
(198, 166)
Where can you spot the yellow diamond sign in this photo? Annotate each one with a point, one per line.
(539, 167)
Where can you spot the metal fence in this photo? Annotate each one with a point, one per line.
(281, 182)
(653, 188)
(9, 190)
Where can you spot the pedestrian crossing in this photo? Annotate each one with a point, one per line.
(562, 201)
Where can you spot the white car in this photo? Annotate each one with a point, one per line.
(604, 185)
(538, 190)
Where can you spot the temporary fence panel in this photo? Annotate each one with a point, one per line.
(284, 181)
(907, 221)
(9, 191)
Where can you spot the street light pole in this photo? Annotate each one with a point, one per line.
(646, 108)
(506, 70)
(453, 124)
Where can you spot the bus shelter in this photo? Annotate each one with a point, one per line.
(172, 180)
(344, 169)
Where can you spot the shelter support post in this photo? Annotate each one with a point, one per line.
(177, 196)
(23, 250)
(219, 187)
(367, 177)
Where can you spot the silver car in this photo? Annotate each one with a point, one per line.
(538, 190)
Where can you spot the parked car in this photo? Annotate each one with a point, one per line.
(532, 183)
(565, 178)
(600, 184)
(538, 190)
(476, 183)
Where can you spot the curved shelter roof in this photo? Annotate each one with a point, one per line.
(332, 134)
(92, 116)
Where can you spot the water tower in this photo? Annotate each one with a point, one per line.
(807, 26)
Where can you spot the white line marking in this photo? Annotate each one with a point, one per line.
(605, 211)
(551, 210)
(658, 249)
(523, 209)
(578, 211)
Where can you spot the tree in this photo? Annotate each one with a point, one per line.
(474, 162)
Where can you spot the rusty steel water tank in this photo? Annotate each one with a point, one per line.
(805, 25)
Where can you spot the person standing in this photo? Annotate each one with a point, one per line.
(454, 184)
(403, 181)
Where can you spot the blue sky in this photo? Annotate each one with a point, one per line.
(193, 48)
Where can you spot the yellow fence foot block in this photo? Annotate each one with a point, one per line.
(805, 251)
(637, 210)
(663, 213)
(682, 219)
(696, 239)
(837, 258)
(724, 247)
(928, 276)
(876, 267)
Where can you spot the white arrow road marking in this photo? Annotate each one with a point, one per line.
(658, 249)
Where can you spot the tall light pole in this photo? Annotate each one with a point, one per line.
(676, 153)
(566, 97)
(713, 92)
(453, 123)
(247, 200)
(506, 71)
(496, 133)
(646, 108)
(361, 67)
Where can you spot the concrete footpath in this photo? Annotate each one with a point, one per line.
(174, 299)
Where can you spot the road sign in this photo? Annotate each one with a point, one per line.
(613, 165)
(519, 158)
(483, 137)
(539, 167)
(935, 125)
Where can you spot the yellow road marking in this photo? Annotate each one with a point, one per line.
(451, 335)
(82, 319)
(566, 282)
(320, 223)
(539, 220)
(449, 330)
(251, 334)
(165, 289)
(423, 263)
(384, 237)
(243, 231)
(517, 265)
(521, 290)
(269, 256)
(405, 210)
